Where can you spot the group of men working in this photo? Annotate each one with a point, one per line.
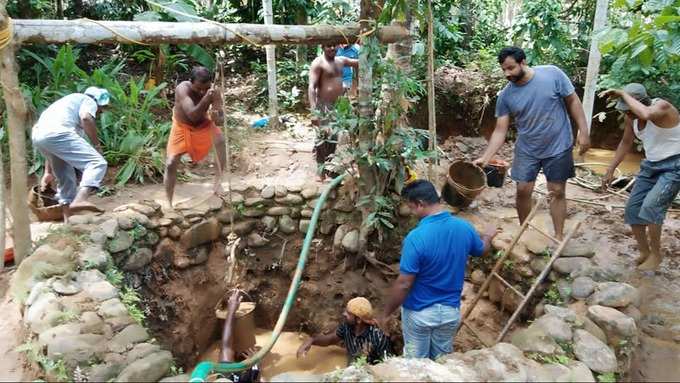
(540, 101)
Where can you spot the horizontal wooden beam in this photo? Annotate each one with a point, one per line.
(154, 33)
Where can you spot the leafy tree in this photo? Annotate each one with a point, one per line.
(643, 45)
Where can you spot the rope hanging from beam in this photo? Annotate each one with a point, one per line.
(114, 31)
(6, 34)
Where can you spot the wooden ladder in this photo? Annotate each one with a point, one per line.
(494, 273)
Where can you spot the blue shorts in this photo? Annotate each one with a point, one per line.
(560, 168)
(429, 333)
(656, 186)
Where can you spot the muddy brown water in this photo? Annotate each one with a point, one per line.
(283, 359)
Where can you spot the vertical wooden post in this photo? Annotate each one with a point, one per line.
(3, 218)
(271, 68)
(594, 58)
(431, 116)
(16, 128)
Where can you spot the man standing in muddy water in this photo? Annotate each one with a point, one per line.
(193, 131)
(657, 124)
(325, 87)
(539, 100)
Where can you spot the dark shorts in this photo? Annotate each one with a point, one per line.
(656, 186)
(560, 168)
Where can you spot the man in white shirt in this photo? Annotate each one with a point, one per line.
(58, 135)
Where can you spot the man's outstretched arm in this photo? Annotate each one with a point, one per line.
(228, 354)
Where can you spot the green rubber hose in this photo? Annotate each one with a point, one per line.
(205, 368)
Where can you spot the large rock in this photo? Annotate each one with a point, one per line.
(594, 353)
(304, 225)
(120, 242)
(141, 350)
(587, 324)
(565, 314)
(112, 308)
(350, 242)
(268, 192)
(557, 372)
(281, 191)
(287, 225)
(253, 213)
(256, 202)
(344, 203)
(245, 227)
(615, 324)
(614, 294)
(74, 349)
(269, 223)
(104, 372)
(310, 192)
(582, 287)
(92, 323)
(580, 372)
(45, 262)
(68, 329)
(148, 369)
(66, 286)
(127, 338)
(416, 370)
(109, 227)
(129, 219)
(340, 233)
(138, 259)
(290, 200)
(502, 362)
(100, 291)
(93, 257)
(554, 327)
(278, 211)
(578, 249)
(44, 313)
(569, 265)
(201, 233)
(535, 340)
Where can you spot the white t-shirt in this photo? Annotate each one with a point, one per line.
(64, 114)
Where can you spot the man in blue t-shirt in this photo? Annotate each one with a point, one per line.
(431, 273)
(540, 101)
(350, 51)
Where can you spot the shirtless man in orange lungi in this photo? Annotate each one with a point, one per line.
(193, 131)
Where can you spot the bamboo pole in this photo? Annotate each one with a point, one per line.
(83, 31)
(16, 128)
(431, 117)
(271, 68)
(594, 58)
(3, 218)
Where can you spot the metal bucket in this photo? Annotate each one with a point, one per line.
(463, 184)
(244, 324)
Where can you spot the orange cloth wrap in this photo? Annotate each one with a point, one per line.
(196, 141)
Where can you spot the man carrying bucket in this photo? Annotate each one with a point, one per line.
(540, 101)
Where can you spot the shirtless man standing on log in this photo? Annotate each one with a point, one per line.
(193, 131)
(325, 86)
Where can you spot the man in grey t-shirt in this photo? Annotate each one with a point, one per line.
(540, 101)
(59, 136)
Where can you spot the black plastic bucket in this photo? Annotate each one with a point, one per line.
(495, 177)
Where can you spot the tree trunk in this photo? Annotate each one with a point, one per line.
(301, 50)
(151, 32)
(3, 218)
(16, 121)
(271, 68)
(367, 181)
(431, 116)
(594, 58)
(60, 9)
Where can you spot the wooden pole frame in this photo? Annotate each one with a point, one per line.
(131, 32)
(16, 129)
(271, 68)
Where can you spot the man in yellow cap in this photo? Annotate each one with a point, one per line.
(358, 333)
